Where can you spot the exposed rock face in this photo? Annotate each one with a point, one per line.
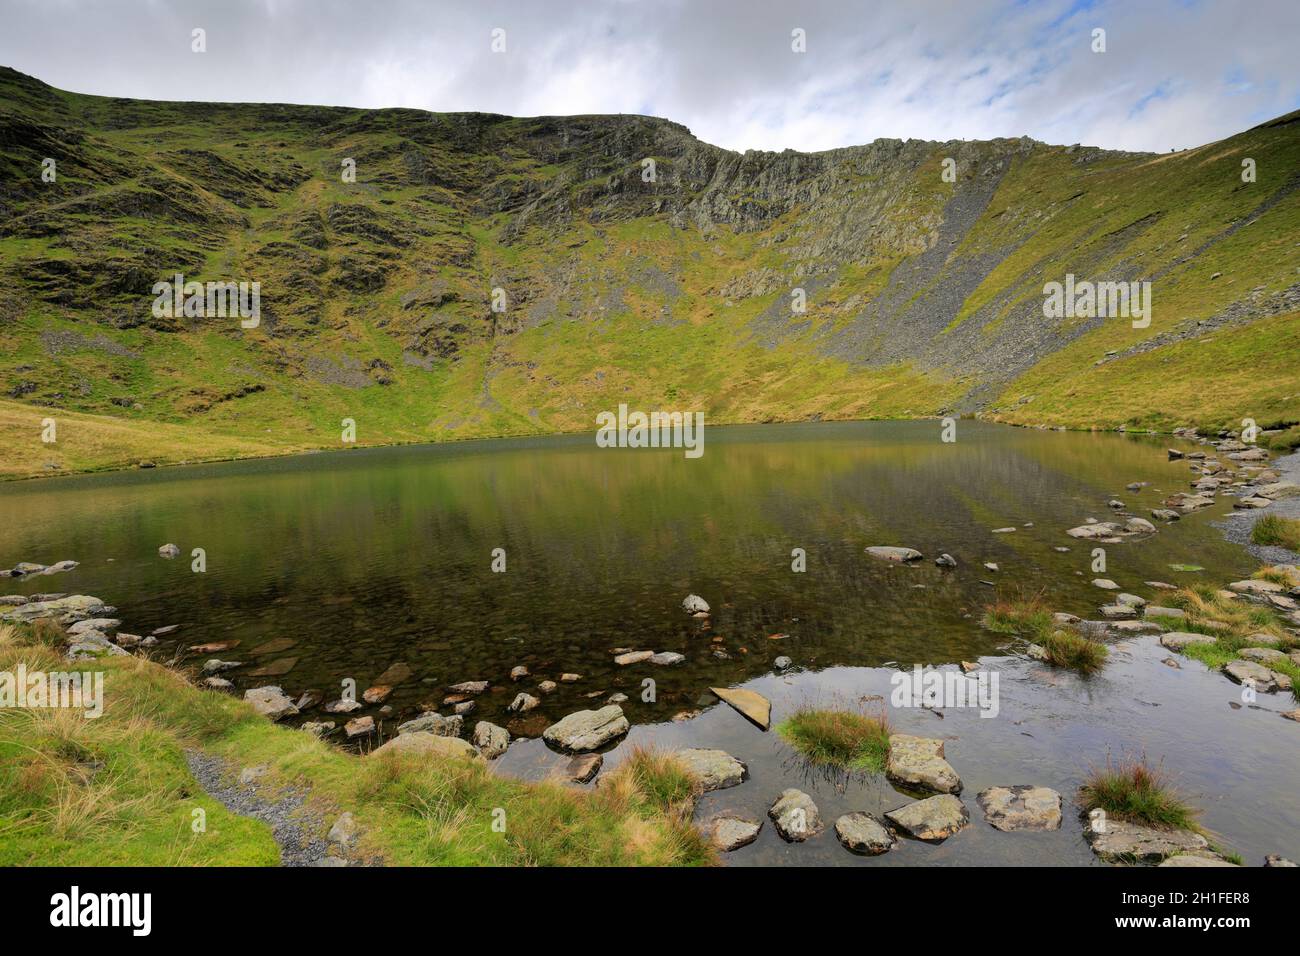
(490, 739)
(587, 729)
(1021, 808)
(1120, 842)
(918, 762)
(714, 769)
(863, 833)
(752, 704)
(795, 816)
(933, 819)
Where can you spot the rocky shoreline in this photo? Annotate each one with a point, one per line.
(916, 765)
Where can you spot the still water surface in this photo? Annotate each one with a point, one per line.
(354, 561)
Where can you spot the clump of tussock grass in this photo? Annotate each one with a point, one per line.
(1070, 649)
(844, 739)
(1135, 792)
(1027, 616)
(1276, 531)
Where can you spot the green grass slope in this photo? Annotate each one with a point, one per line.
(671, 292)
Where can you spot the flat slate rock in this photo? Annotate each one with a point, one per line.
(919, 762)
(933, 819)
(751, 704)
(863, 833)
(587, 729)
(714, 769)
(270, 702)
(1021, 808)
(1120, 842)
(1266, 681)
(583, 768)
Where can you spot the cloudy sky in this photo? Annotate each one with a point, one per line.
(1174, 73)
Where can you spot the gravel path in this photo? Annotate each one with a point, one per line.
(297, 833)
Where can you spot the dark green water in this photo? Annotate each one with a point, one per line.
(368, 558)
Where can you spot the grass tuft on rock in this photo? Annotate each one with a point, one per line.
(1276, 531)
(843, 739)
(1135, 792)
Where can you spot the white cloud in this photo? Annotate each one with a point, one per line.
(974, 69)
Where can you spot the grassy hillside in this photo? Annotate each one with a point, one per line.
(923, 296)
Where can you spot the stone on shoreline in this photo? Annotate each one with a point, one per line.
(582, 768)
(1121, 842)
(270, 702)
(422, 743)
(490, 739)
(1266, 681)
(1177, 640)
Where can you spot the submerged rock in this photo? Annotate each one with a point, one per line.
(587, 729)
(795, 816)
(863, 833)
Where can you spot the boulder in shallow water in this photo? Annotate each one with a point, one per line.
(694, 604)
(795, 816)
(712, 769)
(1021, 808)
(919, 762)
(862, 833)
(587, 729)
(933, 819)
(433, 723)
(727, 832)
